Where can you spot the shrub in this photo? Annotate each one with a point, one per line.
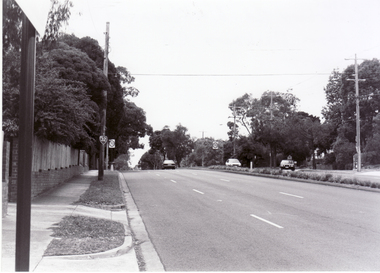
(346, 181)
(328, 176)
(337, 179)
(303, 175)
(315, 176)
(323, 177)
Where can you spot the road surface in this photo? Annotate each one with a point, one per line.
(200, 220)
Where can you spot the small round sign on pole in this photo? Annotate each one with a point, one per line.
(111, 143)
(103, 139)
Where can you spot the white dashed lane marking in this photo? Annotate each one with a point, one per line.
(266, 221)
(297, 196)
(198, 191)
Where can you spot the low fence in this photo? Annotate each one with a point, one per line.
(52, 164)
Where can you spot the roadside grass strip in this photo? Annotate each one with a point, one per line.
(266, 221)
(77, 235)
(105, 192)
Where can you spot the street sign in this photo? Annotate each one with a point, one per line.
(37, 12)
(215, 145)
(103, 139)
(111, 143)
(290, 157)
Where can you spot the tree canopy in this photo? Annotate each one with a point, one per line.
(69, 86)
(175, 145)
(340, 112)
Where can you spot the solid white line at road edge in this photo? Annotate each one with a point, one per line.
(266, 221)
(225, 180)
(198, 191)
(291, 194)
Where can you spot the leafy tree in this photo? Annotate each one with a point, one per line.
(340, 111)
(151, 160)
(58, 15)
(269, 116)
(205, 154)
(63, 110)
(132, 126)
(121, 163)
(12, 24)
(372, 148)
(175, 145)
(125, 121)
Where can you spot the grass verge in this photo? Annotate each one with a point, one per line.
(323, 177)
(76, 235)
(106, 192)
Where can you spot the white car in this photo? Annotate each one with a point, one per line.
(287, 164)
(169, 164)
(233, 162)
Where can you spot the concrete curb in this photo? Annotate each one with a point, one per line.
(149, 259)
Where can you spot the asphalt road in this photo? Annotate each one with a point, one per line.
(201, 220)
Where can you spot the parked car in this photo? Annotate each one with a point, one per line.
(287, 164)
(168, 164)
(233, 162)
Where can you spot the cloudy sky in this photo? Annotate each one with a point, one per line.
(192, 58)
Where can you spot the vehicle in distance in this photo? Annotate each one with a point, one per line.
(233, 162)
(168, 164)
(287, 164)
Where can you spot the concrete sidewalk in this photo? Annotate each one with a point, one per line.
(47, 210)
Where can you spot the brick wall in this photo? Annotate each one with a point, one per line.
(5, 177)
(42, 180)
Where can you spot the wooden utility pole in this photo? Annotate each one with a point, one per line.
(234, 155)
(358, 150)
(104, 110)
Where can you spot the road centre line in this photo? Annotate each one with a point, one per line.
(266, 221)
(173, 181)
(297, 196)
(157, 174)
(198, 191)
(225, 180)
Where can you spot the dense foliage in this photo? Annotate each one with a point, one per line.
(277, 129)
(340, 113)
(175, 145)
(69, 86)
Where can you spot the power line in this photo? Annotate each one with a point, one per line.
(228, 75)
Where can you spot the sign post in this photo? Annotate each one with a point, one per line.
(111, 145)
(31, 23)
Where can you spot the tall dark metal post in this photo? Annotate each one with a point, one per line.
(24, 171)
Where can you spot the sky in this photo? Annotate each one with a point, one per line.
(190, 59)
